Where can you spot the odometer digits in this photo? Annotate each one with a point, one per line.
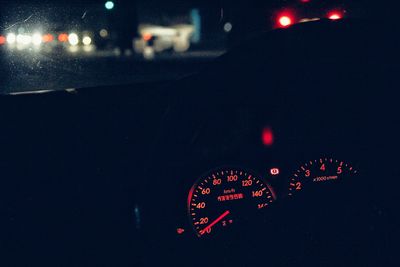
(222, 197)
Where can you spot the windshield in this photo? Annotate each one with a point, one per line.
(66, 44)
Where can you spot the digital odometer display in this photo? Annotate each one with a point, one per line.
(224, 196)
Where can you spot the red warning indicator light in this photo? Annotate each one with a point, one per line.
(274, 171)
(267, 136)
(180, 231)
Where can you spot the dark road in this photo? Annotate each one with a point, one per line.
(31, 71)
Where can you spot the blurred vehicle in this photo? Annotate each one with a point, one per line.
(156, 39)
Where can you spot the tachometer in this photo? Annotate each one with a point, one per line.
(224, 196)
(317, 172)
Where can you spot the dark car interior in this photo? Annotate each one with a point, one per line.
(108, 176)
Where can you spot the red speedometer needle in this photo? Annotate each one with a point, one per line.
(223, 215)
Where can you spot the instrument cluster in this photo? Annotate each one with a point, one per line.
(229, 195)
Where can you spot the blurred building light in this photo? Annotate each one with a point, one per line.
(148, 53)
(87, 40)
(196, 21)
(2, 40)
(11, 38)
(63, 37)
(48, 38)
(228, 27)
(37, 39)
(109, 5)
(73, 39)
(103, 33)
(181, 45)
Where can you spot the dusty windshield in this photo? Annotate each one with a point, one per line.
(65, 44)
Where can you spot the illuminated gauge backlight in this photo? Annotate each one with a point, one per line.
(223, 197)
(317, 172)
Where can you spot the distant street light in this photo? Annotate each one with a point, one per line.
(109, 5)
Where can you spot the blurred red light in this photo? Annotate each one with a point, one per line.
(63, 37)
(147, 36)
(47, 38)
(2, 40)
(267, 137)
(285, 21)
(335, 15)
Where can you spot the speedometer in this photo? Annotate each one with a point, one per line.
(221, 197)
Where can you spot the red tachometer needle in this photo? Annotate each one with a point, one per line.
(223, 215)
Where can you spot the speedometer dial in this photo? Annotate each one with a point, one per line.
(318, 172)
(223, 197)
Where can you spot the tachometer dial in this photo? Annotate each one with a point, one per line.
(317, 172)
(224, 197)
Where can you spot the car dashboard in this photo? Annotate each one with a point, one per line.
(282, 152)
